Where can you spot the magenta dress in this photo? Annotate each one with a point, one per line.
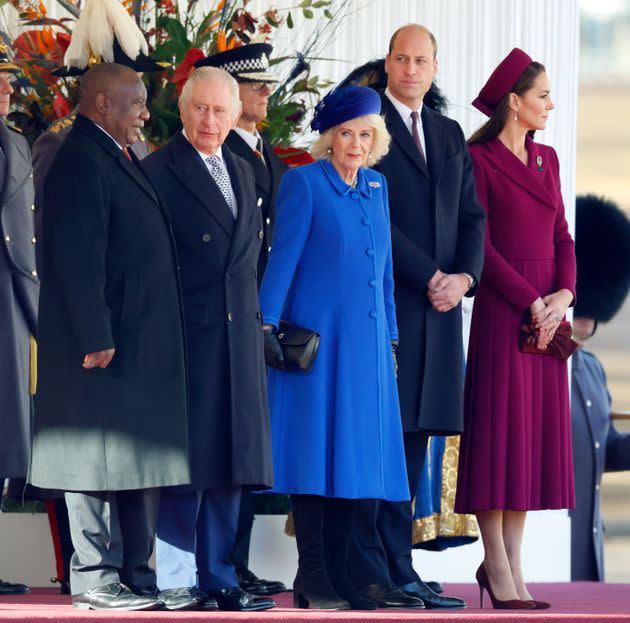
(515, 452)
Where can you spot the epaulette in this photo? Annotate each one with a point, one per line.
(62, 124)
(14, 128)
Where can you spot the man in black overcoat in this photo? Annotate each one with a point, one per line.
(110, 423)
(211, 196)
(249, 66)
(437, 228)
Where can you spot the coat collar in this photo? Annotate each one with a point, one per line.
(340, 186)
(527, 176)
(87, 127)
(399, 132)
(18, 163)
(187, 165)
(262, 173)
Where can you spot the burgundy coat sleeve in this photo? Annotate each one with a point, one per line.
(497, 272)
(563, 243)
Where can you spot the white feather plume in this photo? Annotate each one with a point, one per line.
(99, 22)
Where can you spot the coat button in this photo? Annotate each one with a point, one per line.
(230, 316)
(228, 276)
(259, 202)
(261, 234)
(33, 240)
(372, 314)
(33, 207)
(268, 221)
(259, 315)
(589, 403)
(596, 487)
(7, 238)
(206, 237)
(594, 529)
(597, 445)
(369, 252)
(34, 273)
(268, 249)
(366, 220)
(373, 283)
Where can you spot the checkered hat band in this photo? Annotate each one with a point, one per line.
(247, 64)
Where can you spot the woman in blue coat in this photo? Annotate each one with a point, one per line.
(336, 430)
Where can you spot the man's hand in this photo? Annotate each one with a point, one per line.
(446, 292)
(99, 359)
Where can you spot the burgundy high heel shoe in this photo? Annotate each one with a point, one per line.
(539, 605)
(498, 604)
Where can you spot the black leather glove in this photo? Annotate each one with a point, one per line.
(394, 349)
(274, 356)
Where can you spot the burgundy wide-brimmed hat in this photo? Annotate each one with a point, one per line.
(503, 78)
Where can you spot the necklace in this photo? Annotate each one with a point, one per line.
(353, 183)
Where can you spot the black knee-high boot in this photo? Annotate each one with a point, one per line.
(338, 521)
(312, 587)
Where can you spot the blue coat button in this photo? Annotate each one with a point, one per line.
(373, 283)
(372, 314)
(366, 220)
(369, 252)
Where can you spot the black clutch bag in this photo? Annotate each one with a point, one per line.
(299, 346)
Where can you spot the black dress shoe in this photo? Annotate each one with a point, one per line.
(236, 599)
(389, 596)
(251, 583)
(9, 588)
(436, 587)
(184, 598)
(64, 587)
(431, 599)
(115, 596)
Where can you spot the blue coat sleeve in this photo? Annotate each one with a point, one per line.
(388, 278)
(294, 210)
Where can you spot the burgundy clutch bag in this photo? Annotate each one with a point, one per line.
(561, 346)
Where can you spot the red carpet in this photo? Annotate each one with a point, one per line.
(580, 601)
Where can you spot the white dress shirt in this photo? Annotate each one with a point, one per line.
(405, 113)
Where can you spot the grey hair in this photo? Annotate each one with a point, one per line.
(322, 147)
(212, 74)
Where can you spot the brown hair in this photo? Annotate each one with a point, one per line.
(420, 27)
(493, 127)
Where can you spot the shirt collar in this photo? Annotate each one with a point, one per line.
(248, 137)
(204, 156)
(403, 110)
(108, 134)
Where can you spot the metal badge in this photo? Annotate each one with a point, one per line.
(374, 184)
(539, 163)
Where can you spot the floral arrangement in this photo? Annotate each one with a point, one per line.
(179, 33)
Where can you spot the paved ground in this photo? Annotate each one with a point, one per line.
(603, 167)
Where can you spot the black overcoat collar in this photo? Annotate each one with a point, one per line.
(527, 176)
(262, 174)
(131, 167)
(400, 133)
(18, 164)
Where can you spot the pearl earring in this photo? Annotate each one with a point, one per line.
(515, 116)
(329, 151)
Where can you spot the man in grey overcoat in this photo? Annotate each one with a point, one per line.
(110, 422)
(19, 290)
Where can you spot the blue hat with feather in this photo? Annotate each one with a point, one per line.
(345, 103)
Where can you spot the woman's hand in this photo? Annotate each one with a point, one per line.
(556, 305)
(537, 306)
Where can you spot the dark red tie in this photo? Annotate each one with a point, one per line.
(126, 152)
(415, 134)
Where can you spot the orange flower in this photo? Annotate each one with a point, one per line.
(220, 5)
(42, 9)
(221, 41)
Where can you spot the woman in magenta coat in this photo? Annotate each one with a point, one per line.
(516, 449)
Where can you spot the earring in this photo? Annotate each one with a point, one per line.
(516, 116)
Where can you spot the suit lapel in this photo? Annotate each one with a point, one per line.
(527, 177)
(397, 128)
(18, 165)
(244, 204)
(188, 166)
(435, 140)
(239, 147)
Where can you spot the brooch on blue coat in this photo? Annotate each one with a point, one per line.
(539, 163)
(374, 184)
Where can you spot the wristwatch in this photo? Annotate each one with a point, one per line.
(471, 280)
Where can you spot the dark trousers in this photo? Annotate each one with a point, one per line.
(195, 537)
(382, 537)
(113, 533)
(240, 551)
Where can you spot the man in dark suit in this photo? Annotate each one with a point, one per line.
(249, 66)
(110, 422)
(437, 237)
(19, 290)
(211, 196)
